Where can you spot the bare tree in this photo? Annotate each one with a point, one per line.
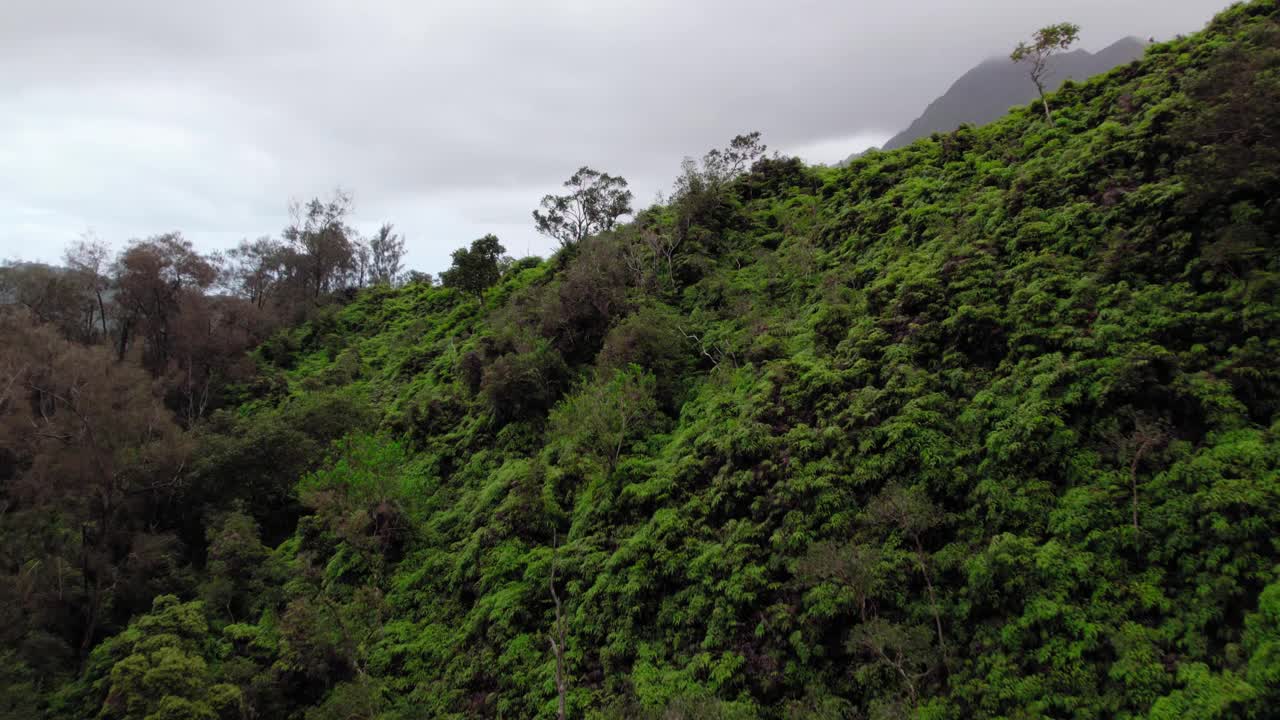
(1045, 43)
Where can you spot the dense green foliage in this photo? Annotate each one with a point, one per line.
(981, 427)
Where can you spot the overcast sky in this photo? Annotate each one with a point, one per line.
(451, 120)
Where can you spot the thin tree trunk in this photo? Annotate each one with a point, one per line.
(933, 601)
(557, 638)
(1133, 479)
(123, 347)
(91, 624)
(94, 595)
(906, 678)
(102, 313)
(1133, 483)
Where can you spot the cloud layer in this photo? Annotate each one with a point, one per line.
(451, 120)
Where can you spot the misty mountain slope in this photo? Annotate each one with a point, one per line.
(981, 427)
(986, 92)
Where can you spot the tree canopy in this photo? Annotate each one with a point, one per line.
(1047, 41)
(476, 268)
(595, 202)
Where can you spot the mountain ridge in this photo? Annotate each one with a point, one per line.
(986, 91)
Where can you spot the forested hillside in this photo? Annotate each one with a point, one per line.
(981, 427)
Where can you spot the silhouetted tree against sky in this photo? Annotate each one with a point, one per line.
(254, 269)
(89, 259)
(386, 259)
(323, 249)
(1045, 43)
(477, 268)
(151, 278)
(595, 203)
(50, 295)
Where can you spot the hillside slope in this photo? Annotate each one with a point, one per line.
(986, 92)
(981, 427)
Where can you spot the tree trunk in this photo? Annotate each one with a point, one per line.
(1133, 482)
(933, 601)
(1044, 101)
(123, 347)
(102, 314)
(557, 640)
(94, 594)
(1133, 479)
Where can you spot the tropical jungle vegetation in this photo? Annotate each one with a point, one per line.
(985, 426)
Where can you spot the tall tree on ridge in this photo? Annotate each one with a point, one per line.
(386, 251)
(88, 258)
(323, 250)
(595, 203)
(1045, 43)
(152, 278)
(477, 268)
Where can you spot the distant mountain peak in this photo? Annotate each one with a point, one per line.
(987, 91)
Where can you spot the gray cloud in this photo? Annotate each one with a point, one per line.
(451, 120)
